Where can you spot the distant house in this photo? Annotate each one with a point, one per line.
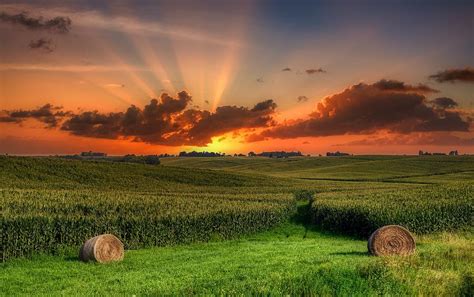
(91, 154)
(453, 153)
(336, 154)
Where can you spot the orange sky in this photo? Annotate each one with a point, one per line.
(233, 54)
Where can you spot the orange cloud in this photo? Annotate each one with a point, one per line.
(166, 122)
(367, 108)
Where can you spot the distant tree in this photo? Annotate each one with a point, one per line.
(152, 160)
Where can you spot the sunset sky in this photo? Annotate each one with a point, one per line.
(151, 77)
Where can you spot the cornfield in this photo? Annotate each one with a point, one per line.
(52, 204)
(49, 205)
(426, 209)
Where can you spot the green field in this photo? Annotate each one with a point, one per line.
(232, 225)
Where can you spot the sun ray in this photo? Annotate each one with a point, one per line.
(120, 94)
(148, 54)
(225, 75)
(231, 56)
(125, 67)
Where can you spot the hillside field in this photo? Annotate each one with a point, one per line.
(237, 225)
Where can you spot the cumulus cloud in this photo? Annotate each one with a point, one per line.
(286, 69)
(42, 44)
(367, 108)
(454, 75)
(48, 114)
(314, 71)
(167, 121)
(55, 25)
(302, 98)
(230, 118)
(147, 124)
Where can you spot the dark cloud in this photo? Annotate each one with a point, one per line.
(168, 121)
(94, 124)
(260, 80)
(48, 114)
(147, 125)
(302, 98)
(444, 103)
(42, 44)
(454, 75)
(314, 71)
(231, 118)
(367, 108)
(55, 25)
(286, 69)
(267, 105)
(395, 85)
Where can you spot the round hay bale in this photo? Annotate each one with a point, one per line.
(103, 248)
(391, 240)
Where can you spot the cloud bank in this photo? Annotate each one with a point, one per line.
(366, 108)
(48, 114)
(384, 106)
(167, 121)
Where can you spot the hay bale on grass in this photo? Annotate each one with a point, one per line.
(391, 240)
(103, 248)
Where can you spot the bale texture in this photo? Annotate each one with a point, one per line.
(103, 248)
(391, 240)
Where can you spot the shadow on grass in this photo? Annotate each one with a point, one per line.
(302, 217)
(353, 253)
(71, 259)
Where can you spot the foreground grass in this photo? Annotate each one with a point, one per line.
(286, 260)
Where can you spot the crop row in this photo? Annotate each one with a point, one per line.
(47, 221)
(425, 209)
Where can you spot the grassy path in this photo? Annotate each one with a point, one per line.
(287, 260)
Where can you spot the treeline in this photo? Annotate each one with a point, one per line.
(276, 154)
(200, 154)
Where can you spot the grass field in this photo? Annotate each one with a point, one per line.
(287, 260)
(231, 226)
